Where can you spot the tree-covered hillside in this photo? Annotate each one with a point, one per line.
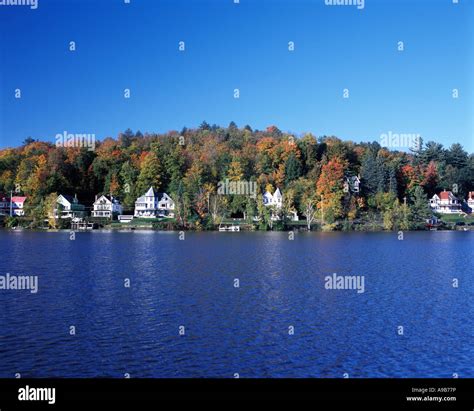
(189, 165)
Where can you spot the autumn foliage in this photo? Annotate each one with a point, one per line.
(189, 164)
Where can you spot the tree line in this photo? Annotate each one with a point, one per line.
(189, 164)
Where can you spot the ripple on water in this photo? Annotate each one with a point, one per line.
(245, 330)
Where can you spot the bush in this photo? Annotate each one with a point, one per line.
(11, 222)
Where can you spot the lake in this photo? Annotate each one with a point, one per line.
(253, 304)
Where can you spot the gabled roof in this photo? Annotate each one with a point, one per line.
(150, 192)
(18, 199)
(162, 196)
(107, 198)
(446, 195)
(15, 199)
(67, 197)
(277, 193)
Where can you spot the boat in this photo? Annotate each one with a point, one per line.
(232, 228)
(81, 224)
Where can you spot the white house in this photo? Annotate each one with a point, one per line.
(470, 200)
(154, 205)
(276, 201)
(12, 206)
(68, 207)
(106, 207)
(445, 203)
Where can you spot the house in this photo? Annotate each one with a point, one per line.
(276, 201)
(470, 200)
(273, 200)
(352, 184)
(12, 206)
(17, 204)
(154, 205)
(4, 205)
(69, 207)
(106, 207)
(445, 203)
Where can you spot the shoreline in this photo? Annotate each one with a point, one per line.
(130, 229)
(447, 223)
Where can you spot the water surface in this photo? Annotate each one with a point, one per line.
(241, 330)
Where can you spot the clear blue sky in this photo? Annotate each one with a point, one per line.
(241, 46)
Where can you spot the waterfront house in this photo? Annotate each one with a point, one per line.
(106, 207)
(445, 203)
(17, 205)
(154, 205)
(12, 206)
(470, 200)
(275, 200)
(69, 207)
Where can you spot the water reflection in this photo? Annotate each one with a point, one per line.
(190, 283)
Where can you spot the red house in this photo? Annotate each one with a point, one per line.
(15, 206)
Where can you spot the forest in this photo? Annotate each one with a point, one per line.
(189, 165)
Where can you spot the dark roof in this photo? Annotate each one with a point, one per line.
(110, 198)
(68, 197)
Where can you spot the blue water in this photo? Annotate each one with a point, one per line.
(241, 330)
